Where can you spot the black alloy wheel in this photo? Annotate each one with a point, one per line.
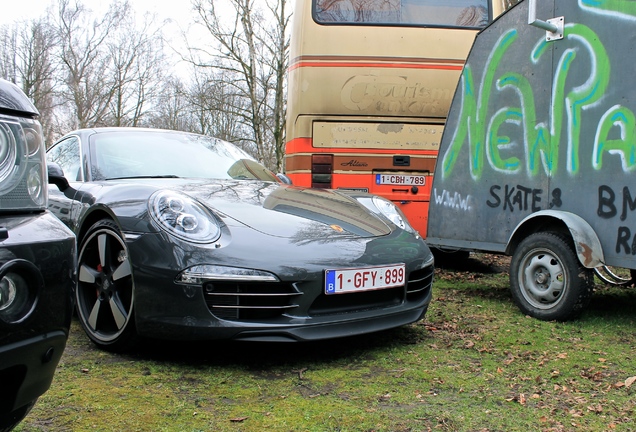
(105, 291)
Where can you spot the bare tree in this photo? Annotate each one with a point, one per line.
(246, 54)
(108, 69)
(279, 62)
(9, 53)
(210, 96)
(27, 60)
(86, 66)
(138, 61)
(172, 108)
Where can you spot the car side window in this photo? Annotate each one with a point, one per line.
(67, 155)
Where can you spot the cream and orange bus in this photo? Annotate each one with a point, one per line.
(369, 88)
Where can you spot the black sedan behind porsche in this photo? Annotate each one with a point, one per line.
(183, 236)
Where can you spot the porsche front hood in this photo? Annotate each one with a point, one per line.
(285, 211)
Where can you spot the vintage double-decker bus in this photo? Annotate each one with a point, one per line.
(370, 85)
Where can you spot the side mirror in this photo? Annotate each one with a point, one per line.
(284, 178)
(56, 176)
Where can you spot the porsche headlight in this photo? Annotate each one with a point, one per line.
(183, 217)
(22, 167)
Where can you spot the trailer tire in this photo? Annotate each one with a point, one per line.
(547, 280)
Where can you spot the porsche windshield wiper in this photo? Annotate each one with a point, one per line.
(144, 177)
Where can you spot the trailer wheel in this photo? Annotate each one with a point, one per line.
(547, 280)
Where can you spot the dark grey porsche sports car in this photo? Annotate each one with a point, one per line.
(183, 236)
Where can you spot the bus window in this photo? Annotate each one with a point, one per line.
(370, 84)
(449, 13)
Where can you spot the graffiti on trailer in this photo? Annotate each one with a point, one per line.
(530, 145)
(453, 200)
(481, 132)
(624, 9)
(609, 204)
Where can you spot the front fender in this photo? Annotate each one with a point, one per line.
(588, 246)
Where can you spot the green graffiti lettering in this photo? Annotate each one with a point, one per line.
(625, 146)
(536, 136)
(472, 117)
(496, 142)
(542, 143)
(569, 106)
(588, 93)
(624, 7)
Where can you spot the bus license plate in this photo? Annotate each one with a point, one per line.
(364, 279)
(399, 179)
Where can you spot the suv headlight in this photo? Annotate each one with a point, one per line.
(22, 166)
(183, 217)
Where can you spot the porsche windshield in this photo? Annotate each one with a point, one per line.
(144, 154)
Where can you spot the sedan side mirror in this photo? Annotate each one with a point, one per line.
(56, 176)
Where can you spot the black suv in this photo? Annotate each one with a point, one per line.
(37, 263)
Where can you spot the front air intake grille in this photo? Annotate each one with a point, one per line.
(250, 300)
(358, 301)
(419, 283)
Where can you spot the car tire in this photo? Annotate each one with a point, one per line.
(105, 289)
(547, 280)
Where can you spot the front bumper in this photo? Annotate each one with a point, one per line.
(27, 368)
(294, 309)
(42, 250)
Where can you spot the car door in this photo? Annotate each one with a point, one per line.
(67, 155)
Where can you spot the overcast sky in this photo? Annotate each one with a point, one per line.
(179, 11)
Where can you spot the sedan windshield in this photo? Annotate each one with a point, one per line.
(150, 154)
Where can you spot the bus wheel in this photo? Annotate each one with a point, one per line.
(547, 280)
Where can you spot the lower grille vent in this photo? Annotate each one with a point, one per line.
(249, 300)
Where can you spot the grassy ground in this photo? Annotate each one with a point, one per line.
(474, 364)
